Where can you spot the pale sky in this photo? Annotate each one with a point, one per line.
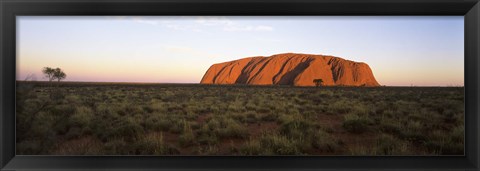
(400, 50)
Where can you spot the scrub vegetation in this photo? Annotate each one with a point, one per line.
(68, 118)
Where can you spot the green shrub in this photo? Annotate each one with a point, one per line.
(157, 122)
(355, 124)
(440, 142)
(118, 146)
(360, 150)
(213, 124)
(297, 129)
(251, 117)
(251, 147)
(117, 127)
(290, 117)
(148, 109)
(232, 129)
(361, 110)
(388, 145)
(187, 137)
(62, 110)
(207, 150)
(280, 145)
(206, 138)
(390, 127)
(263, 109)
(414, 126)
(29, 147)
(250, 106)
(129, 128)
(153, 144)
(105, 109)
(236, 107)
(241, 117)
(340, 107)
(324, 141)
(42, 125)
(176, 124)
(158, 106)
(269, 117)
(129, 110)
(458, 134)
(73, 132)
(82, 117)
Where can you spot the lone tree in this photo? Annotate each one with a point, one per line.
(54, 74)
(318, 82)
(49, 73)
(59, 74)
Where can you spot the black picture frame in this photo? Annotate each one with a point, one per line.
(9, 9)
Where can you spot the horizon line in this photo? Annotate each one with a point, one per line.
(133, 82)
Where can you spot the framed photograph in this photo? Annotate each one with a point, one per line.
(176, 85)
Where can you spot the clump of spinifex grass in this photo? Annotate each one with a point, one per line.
(187, 137)
(356, 124)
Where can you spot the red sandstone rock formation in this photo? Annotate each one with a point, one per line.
(291, 69)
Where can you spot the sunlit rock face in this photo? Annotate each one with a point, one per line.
(291, 69)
